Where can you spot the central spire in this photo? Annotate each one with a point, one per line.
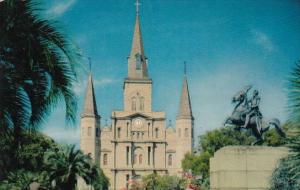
(137, 66)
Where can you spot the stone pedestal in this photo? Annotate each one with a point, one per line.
(244, 167)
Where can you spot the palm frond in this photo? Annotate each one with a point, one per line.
(37, 59)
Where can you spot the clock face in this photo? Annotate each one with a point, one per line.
(138, 123)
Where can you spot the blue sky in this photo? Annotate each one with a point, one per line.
(226, 44)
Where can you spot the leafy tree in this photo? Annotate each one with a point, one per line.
(30, 152)
(166, 182)
(214, 140)
(198, 164)
(37, 67)
(22, 180)
(150, 181)
(272, 138)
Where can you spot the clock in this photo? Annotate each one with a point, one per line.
(138, 123)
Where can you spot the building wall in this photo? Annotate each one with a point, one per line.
(244, 167)
(139, 144)
(138, 89)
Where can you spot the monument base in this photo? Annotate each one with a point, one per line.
(244, 167)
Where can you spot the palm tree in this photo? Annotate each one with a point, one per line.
(37, 67)
(294, 97)
(66, 164)
(287, 175)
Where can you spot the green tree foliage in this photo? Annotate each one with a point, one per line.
(198, 164)
(30, 152)
(23, 180)
(214, 140)
(37, 67)
(166, 182)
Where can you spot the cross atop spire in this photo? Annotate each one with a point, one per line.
(137, 4)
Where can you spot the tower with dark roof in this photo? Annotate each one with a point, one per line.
(90, 124)
(184, 121)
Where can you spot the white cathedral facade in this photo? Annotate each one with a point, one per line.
(138, 142)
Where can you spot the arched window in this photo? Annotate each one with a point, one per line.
(156, 132)
(186, 132)
(134, 159)
(82, 131)
(170, 160)
(179, 132)
(133, 104)
(142, 103)
(138, 59)
(140, 159)
(119, 132)
(89, 131)
(105, 159)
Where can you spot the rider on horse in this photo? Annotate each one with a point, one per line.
(253, 110)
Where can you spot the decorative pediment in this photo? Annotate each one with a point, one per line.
(136, 115)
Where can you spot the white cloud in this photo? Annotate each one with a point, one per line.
(60, 7)
(80, 87)
(104, 81)
(263, 40)
(68, 135)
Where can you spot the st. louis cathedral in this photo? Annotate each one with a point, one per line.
(138, 142)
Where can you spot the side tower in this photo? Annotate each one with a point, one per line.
(184, 123)
(90, 124)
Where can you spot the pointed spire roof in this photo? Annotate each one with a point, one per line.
(185, 108)
(137, 41)
(137, 64)
(90, 106)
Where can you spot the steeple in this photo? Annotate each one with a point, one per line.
(137, 66)
(185, 108)
(90, 106)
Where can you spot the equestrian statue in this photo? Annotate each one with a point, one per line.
(246, 115)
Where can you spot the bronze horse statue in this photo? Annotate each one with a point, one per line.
(255, 121)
